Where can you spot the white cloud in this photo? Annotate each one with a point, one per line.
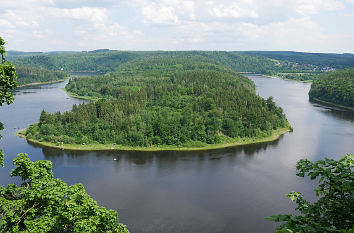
(11, 4)
(114, 29)
(159, 14)
(235, 9)
(21, 19)
(37, 34)
(306, 7)
(189, 9)
(6, 24)
(170, 12)
(93, 14)
(178, 24)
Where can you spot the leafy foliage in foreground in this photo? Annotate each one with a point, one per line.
(335, 87)
(163, 101)
(28, 75)
(334, 209)
(7, 77)
(44, 204)
(7, 83)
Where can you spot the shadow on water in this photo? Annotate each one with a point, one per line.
(341, 114)
(146, 157)
(27, 89)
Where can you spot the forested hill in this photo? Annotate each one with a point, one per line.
(14, 55)
(333, 60)
(95, 61)
(105, 60)
(289, 65)
(160, 101)
(335, 87)
(102, 61)
(30, 75)
(166, 66)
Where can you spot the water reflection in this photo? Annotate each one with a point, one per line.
(224, 190)
(335, 112)
(61, 156)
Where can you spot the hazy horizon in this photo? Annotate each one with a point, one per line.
(157, 50)
(317, 26)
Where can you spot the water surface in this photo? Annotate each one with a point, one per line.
(225, 190)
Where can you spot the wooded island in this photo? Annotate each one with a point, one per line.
(168, 102)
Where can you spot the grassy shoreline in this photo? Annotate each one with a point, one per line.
(71, 94)
(43, 83)
(104, 147)
(329, 104)
(287, 79)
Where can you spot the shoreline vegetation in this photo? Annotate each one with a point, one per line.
(283, 78)
(71, 94)
(191, 146)
(329, 104)
(162, 103)
(335, 88)
(43, 83)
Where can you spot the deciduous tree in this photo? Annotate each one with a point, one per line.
(334, 209)
(7, 82)
(42, 203)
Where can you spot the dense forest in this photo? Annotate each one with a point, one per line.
(289, 65)
(103, 61)
(169, 100)
(30, 75)
(322, 60)
(335, 87)
(14, 55)
(305, 77)
(94, 61)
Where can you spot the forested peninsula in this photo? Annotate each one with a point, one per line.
(162, 103)
(334, 88)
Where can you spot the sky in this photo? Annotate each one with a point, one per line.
(231, 25)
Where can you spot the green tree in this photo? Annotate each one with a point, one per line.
(44, 204)
(7, 77)
(334, 209)
(7, 82)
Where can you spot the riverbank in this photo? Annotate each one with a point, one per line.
(71, 94)
(287, 79)
(329, 104)
(276, 134)
(43, 83)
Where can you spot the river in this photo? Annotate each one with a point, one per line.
(226, 190)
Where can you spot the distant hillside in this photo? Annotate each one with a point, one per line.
(335, 87)
(107, 60)
(289, 65)
(30, 75)
(333, 60)
(13, 55)
(98, 62)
